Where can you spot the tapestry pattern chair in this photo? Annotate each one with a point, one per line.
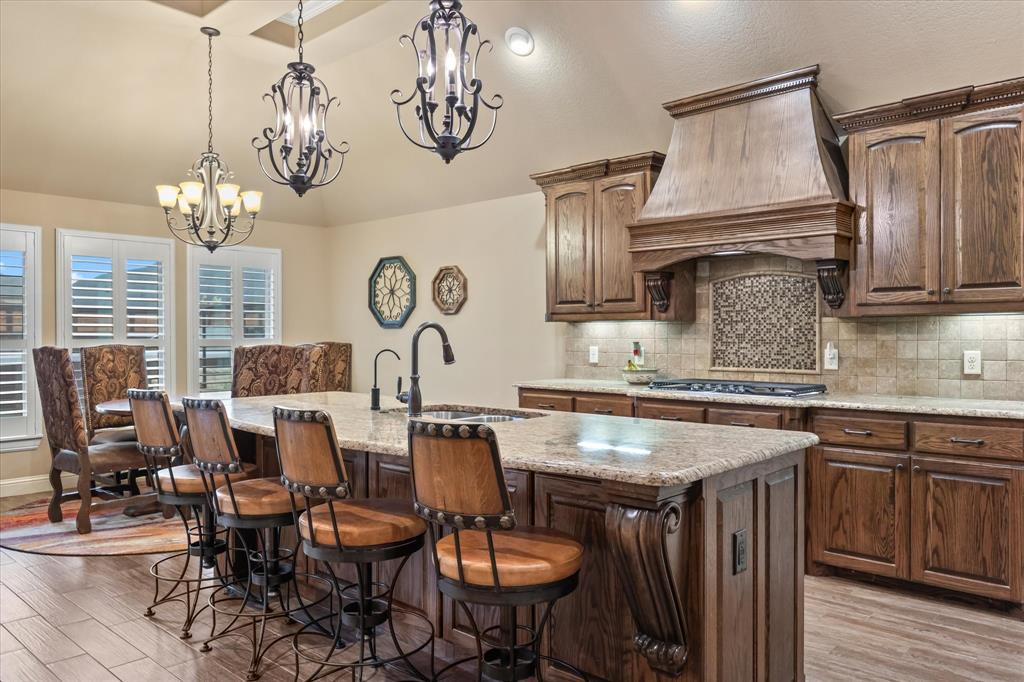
(275, 369)
(107, 373)
(337, 371)
(67, 434)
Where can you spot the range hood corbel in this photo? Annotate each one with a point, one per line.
(755, 168)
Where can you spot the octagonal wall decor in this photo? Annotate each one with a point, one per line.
(392, 292)
(450, 289)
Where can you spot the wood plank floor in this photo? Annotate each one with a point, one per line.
(70, 618)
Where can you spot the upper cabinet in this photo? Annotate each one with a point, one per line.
(590, 273)
(939, 182)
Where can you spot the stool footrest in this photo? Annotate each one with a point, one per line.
(497, 664)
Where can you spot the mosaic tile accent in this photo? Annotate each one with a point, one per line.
(765, 321)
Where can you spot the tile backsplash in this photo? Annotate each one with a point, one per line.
(892, 356)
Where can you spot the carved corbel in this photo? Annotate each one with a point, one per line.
(658, 286)
(832, 278)
(638, 541)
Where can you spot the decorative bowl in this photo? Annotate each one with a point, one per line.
(639, 376)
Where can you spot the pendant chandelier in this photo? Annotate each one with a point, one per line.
(446, 31)
(210, 206)
(300, 102)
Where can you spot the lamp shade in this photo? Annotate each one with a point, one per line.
(167, 195)
(193, 192)
(252, 201)
(228, 193)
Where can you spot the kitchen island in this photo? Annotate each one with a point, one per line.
(693, 533)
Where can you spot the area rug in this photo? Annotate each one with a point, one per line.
(27, 529)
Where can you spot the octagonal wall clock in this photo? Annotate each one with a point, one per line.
(392, 292)
(449, 289)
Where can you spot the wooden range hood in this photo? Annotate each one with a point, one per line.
(755, 167)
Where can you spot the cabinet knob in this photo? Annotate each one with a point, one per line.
(899, 467)
(946, 290)
(931, 292)
(917, 469)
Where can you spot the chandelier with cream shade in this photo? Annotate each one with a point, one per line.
(211, 206)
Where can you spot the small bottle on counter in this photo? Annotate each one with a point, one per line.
(638, 354)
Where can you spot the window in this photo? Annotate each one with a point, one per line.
(117, 289)
(234, 299)
(20, 331)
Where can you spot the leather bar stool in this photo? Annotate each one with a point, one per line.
(178, 486)
(336, 529)
(487, 558)
(255, 510)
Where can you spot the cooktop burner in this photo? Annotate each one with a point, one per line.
(769, 388)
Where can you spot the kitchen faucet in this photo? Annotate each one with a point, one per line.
(375, 391)
(412, 397)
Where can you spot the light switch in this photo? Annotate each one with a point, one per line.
(972, 362)
(593, 354)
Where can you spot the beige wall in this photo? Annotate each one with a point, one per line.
(498, 337)
(305, 266)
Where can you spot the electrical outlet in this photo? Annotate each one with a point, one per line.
(972, 362)
(593, 354)
(831, 356)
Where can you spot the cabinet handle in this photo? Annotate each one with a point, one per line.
(967, 441)
(546, 406)
(670, 419)
(598, 410)
(946, 290)
(740, 424)
(857, 432)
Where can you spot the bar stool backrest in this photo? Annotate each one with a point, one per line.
(157, 435)
(312, 468)
(459, 483)
(214, 450)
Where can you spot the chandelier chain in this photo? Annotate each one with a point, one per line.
(209, 95)
(301, 34)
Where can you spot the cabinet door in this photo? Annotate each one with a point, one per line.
(618, 202)
(982, 218)
(895, 178)
(860, 510)
(570, 233)
(967, 530)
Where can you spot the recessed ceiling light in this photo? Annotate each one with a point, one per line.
(519, 41)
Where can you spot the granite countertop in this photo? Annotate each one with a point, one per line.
(956, 407)
(639, 451)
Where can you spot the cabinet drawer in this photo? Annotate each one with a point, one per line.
(545, 401)
(877, 433)
(667, 411)
(999, 442)
(620, 406)
(760, 420)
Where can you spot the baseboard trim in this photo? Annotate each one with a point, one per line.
(29, 485)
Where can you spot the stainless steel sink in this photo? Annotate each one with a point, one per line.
(470, 417)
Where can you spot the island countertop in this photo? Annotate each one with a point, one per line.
(624, 449)
(955, 407)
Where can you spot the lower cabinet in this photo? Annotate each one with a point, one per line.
(860, 503)
(967, 530)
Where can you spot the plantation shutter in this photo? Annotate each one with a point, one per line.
(19, 331)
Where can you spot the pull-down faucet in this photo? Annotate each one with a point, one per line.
(375, 391)
(412, 397)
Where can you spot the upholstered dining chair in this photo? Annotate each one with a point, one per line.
(107, 373)
(275, 369)
(67, 434)
(337, 370)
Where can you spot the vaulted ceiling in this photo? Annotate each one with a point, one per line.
(103, 100)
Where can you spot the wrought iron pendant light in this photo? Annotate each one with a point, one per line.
(447, 109)
(210, 206)
(301, 101)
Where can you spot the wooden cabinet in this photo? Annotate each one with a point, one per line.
(760, 419)
(940, 221)
(669, 410)
(590, 272)
(895, 181)
(570, 248)
(968, 526)
(982, 214)
(595, 403)
(860, 506)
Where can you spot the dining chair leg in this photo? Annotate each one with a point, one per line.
(54, 512)
(82, 522)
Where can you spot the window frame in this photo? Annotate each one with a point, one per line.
(63, 296)
(33, 421)
(241, 256)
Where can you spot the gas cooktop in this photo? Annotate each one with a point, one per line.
(768, 388)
